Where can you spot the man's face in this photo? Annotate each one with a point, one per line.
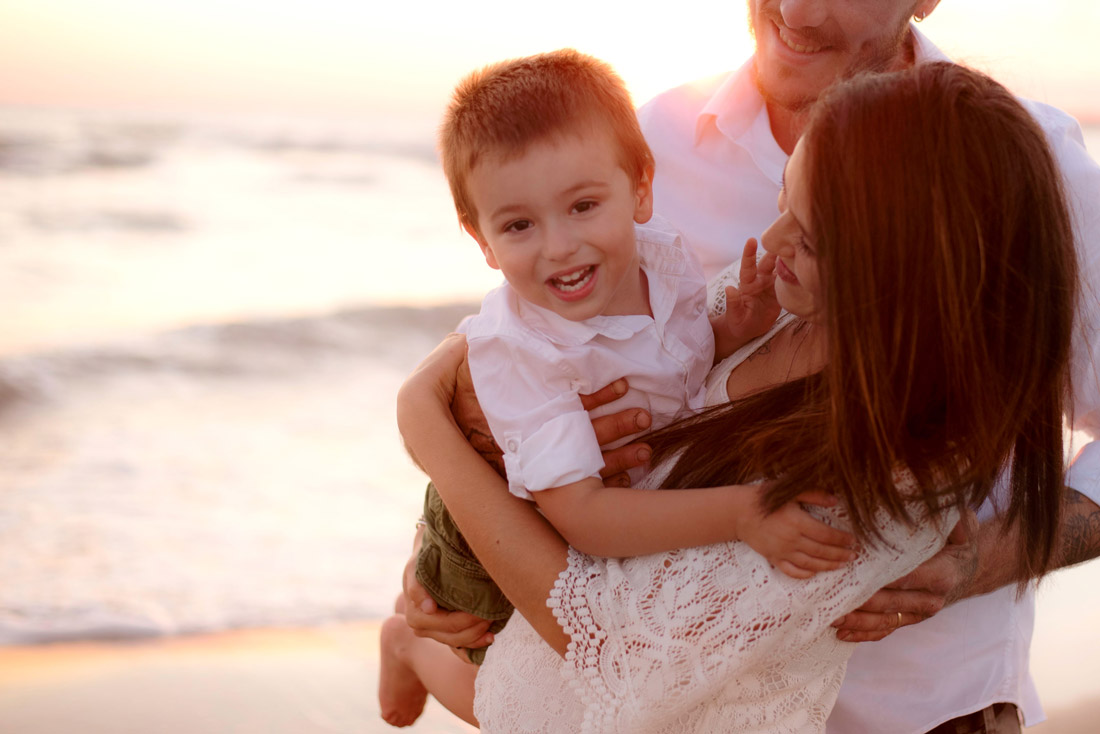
(803, 46)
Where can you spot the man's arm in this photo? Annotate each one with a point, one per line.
(977, 560)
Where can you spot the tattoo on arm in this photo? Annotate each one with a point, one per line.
(483, 443)
(1080, 529)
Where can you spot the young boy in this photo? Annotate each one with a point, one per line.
(551, 176)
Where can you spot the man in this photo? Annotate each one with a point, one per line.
(720, 147)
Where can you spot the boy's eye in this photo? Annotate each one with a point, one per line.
(582, 206)
(517, 226)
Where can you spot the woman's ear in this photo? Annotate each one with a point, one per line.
(643, 196)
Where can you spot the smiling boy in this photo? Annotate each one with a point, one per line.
(551, 176)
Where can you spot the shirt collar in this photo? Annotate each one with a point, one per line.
(924, 51)
(737, 103)
(733, 106)
(663, 262)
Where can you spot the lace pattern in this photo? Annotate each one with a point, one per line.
(708, 639)
(714, 638)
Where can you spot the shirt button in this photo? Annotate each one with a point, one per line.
(512, 446)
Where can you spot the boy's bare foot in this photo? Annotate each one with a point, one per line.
(401, 695)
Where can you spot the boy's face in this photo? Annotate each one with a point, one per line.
(558, 221)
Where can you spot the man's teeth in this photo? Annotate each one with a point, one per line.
(574, 281)
(797, 46)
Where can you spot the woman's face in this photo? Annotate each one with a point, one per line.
(791, 240)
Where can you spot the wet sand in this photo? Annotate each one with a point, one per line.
(320, 681)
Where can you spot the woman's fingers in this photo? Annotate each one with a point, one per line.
(439, 369)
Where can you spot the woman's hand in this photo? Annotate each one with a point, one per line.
(442, 383)
(423, 615)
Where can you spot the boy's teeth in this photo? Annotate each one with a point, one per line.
(574, 280)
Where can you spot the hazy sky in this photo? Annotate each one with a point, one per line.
(357, 56)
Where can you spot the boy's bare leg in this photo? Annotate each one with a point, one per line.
(414, 666)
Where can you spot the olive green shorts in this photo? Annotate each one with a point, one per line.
(451, 573)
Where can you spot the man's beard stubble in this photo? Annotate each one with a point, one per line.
(893, 54)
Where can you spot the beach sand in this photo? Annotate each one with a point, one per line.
(320, 681)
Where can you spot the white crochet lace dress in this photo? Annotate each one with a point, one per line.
(704, 640)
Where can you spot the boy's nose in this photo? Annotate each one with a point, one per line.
(561, 243)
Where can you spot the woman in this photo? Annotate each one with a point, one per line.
(926, 254)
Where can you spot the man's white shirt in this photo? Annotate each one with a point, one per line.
(719, 171)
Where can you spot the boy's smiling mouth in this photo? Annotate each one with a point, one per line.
(574, 283)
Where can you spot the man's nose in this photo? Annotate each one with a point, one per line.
(803, 13)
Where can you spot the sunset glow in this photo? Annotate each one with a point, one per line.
(331, 56)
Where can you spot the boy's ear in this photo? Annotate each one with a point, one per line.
(643, 197)
(487, 251)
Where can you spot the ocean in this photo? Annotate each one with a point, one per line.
(207, 320)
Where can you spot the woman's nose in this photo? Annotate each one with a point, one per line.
(772, 241)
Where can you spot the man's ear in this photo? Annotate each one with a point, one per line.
(487, 251)
(643, 196)
(924, 9)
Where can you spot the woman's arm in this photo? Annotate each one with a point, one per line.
(459, 629)
(520, 550)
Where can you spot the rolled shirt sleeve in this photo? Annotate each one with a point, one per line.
(531, 401)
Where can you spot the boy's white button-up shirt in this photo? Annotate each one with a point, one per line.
(718, 177)
(530, 365)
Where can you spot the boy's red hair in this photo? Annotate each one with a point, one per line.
(504, 107)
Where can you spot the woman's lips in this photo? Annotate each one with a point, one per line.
(784, 272)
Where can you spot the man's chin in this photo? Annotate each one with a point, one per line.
(784, 94)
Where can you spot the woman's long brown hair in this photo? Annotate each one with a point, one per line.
(946, 255)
